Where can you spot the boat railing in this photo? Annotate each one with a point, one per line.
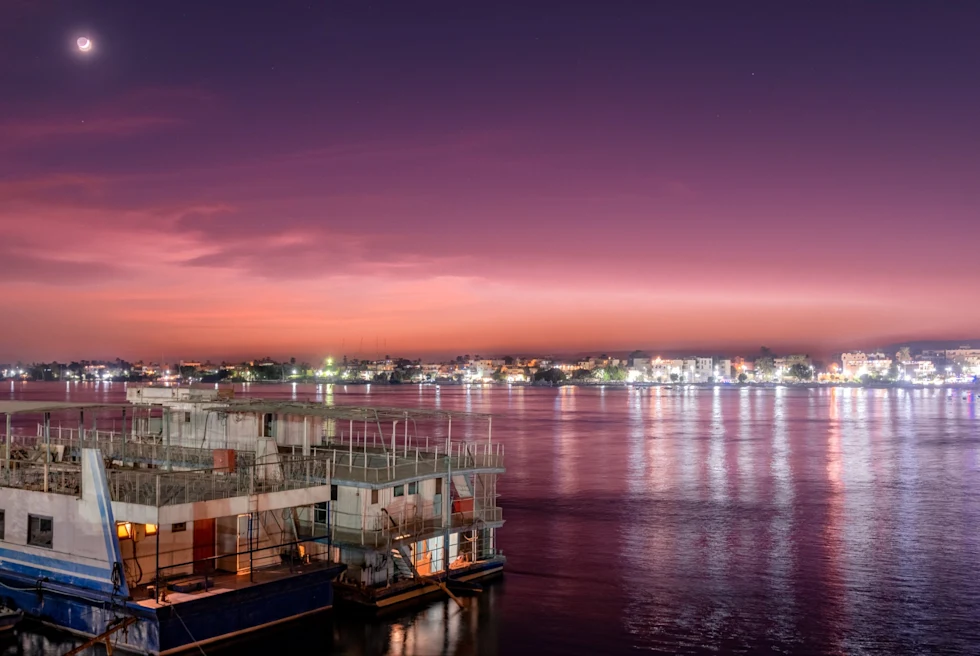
(374, 466)
(384, 528)
(57, 478)
(261, 559)
(475, 453)
(143, 451)
(156, 488)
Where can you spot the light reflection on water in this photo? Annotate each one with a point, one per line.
(733, 520)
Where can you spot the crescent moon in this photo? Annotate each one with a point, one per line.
(84, 44)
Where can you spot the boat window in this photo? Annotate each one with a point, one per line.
(178, 527)
(187, 417)
(333, 492)
(374, 499)
(399, 490)
(40, 531)
(2, 524)
(438, 486)
(320, 513)
(268, 425)
(413, 488)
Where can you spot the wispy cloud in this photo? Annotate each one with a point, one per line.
(118, 126)
(136, 112)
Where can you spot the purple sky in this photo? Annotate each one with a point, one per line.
(302, 178)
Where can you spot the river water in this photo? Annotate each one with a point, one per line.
(688, 520)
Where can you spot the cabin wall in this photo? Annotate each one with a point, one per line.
(241, 431)
(175, 548)
(76, 535)
(349, 506)
(269, 532)
(83, 550)
(197, 425)
(354, 503)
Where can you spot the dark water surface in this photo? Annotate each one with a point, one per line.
(690, 520)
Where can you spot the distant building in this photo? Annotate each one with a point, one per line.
(858, 364)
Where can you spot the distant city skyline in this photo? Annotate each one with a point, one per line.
(170, 358)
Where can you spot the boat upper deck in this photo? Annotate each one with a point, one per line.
(55, 467)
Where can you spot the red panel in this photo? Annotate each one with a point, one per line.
(224, 460)
(204, 539)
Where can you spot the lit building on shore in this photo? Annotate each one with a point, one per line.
(857, 364)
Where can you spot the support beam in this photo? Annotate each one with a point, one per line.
(47, 448)
(9, 442)
(166, 434)
(122, 432)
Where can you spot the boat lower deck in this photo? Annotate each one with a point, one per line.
(407, 591)
(218, 582)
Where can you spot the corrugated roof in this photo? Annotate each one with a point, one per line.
(18, 407)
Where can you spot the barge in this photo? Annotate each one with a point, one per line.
(407, 514)
(155, 548)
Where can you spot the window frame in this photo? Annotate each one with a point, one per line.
(399, 490)
(413, 488)
(320, 513)
(32, 539)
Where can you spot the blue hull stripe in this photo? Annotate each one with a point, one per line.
(54, 563)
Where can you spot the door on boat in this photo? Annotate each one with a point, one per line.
(204, 540)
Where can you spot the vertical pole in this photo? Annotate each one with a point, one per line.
(166, 436)
(9, 442)
(47, 447)
(306, 437)
(81, 427)
(156, 585)
(447, 494)
(122, 436)
(489, 430)
(394, 432)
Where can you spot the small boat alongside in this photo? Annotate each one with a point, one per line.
(9, 618)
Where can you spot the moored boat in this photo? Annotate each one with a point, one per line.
(114, 536)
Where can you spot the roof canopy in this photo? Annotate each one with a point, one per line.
(341, 412)
(22, 407)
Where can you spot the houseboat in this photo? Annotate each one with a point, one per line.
(152, 547)
(408, 515)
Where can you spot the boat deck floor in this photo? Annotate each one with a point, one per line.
(221, 582)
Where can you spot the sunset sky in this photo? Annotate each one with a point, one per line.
(231, 179)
